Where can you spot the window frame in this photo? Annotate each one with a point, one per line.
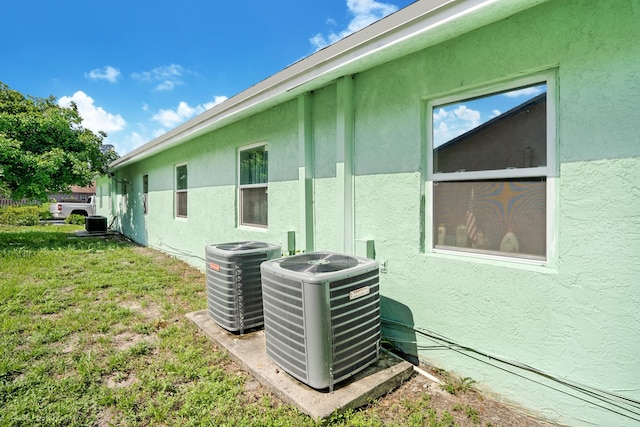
(179, 191)
(550, 172)
(242, 187)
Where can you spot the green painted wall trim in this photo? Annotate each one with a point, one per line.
(305, 171)
(344, 159)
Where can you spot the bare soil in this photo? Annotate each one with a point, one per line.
(468, 408)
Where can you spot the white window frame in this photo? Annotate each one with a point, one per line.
(180, 191)
(242, 187)
(550, 171)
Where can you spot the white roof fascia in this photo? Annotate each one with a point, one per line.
(417, 26)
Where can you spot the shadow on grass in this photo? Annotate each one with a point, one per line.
(39, 239)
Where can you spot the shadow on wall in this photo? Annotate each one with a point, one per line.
(397, 329)
(132, 218)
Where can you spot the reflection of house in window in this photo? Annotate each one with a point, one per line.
(515, 139)
(477, 212)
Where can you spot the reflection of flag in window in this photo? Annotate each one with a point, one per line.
(471, 220)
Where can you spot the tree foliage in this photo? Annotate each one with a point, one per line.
(43, 147)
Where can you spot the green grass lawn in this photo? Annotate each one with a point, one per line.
(92, 332)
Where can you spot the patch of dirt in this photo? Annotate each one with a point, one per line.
(106, 418)
(150, 311)
(70, 344)
(120, 380)
(469, 408)
(126, 340)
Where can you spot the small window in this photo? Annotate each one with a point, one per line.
(252, 186)
(124, 201)
(181, 191)
(492, 157)
(145, 194)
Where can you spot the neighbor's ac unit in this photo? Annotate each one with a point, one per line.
(234, 292)
(321, 315)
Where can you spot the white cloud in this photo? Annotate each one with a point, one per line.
(105, 73)
(166, 78)
(167, 85)
(527, 91)
(128, 143)
(93, 117)
(171, 118)
(365, 12)
(134, 140)
(159, 132)
(450, 123)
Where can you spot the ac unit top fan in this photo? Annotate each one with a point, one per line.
(314, 267)
(243, 246)
(319, 262)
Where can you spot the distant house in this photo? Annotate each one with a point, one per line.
(80, 194)
(485, 152)
(76, 194)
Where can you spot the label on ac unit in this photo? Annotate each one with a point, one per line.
(359, 293)
(214, 266)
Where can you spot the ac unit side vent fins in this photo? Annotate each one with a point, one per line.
(234, 285)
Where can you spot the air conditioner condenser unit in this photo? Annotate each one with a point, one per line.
(234, 291)
(321, 315)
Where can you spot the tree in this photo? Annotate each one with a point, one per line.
(44, 149)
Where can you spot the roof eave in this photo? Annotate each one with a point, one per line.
(417, 26)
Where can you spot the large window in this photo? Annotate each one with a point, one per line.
(181, 191)
(252, 185)
(493, 155)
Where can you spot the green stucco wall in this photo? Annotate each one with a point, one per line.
(576, 318)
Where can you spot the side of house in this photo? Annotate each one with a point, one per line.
(519, 270)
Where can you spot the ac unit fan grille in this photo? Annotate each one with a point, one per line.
(319, 262)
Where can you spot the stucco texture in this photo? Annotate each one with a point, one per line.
(574, 316)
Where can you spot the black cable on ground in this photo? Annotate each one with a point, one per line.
(603, 396)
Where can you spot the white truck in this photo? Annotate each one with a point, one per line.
(62, 210)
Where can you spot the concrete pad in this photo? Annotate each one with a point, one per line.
(249, 351)
(83, 233)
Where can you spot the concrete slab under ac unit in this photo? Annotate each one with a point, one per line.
(84, 233)
(249, 351)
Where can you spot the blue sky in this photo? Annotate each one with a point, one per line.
(455, 119)
(139, 68)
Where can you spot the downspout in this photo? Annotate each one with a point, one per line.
(344, 161)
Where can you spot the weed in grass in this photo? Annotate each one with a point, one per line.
(470, 412)
(75, 219)
(455, 385)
